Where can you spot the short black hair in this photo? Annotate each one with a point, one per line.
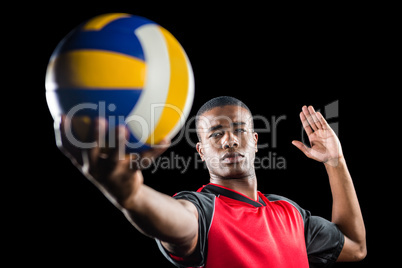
(219, 102)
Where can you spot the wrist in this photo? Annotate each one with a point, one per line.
(134, 193)
(336, 168)
(335, 162)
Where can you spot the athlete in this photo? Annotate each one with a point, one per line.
(228, 222)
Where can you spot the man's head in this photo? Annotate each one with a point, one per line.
(227, 141)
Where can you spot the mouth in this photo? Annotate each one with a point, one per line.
(231, 158)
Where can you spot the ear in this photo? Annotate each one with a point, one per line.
(255, 137)
(200, 150)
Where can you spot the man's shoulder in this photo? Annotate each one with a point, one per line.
(279, 198)
(200, 199)
(276, 197)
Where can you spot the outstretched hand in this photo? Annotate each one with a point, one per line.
(116, 174)
(324, 144)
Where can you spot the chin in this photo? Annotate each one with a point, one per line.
(234, 173)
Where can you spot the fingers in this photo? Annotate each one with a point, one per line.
(65, 140)
(311, 117)
(98, 146)
(111, 150)
(110, 143)
(312, 120)
(108, 157)
(322, 120)
(305, 124)
(106, 151)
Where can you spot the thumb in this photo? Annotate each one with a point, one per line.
(302, 147)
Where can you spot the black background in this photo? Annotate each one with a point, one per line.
(275, 59)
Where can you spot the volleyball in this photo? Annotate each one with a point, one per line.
(127, 69)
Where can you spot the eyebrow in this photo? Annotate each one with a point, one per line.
(220, 126)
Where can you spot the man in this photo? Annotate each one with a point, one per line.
(228, 222)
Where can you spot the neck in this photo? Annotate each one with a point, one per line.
(246, 186)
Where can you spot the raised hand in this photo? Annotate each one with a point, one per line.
(324, 144)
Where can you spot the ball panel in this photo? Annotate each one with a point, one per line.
(189, 100)
(156, 86)
(93, 103)
(172, 113)
(98, 22)
(117, 36)
(95, 69)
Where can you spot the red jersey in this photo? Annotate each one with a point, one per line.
(236, 231)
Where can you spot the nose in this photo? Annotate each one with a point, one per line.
(230, 141)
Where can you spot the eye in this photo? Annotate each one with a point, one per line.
(216, 134)
(239, 130)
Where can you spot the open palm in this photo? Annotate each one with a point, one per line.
(324, 144)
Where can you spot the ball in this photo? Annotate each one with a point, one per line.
(127, 69)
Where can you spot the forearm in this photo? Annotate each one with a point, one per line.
(346, 211)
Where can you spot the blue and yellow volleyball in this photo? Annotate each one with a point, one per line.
(122, 66)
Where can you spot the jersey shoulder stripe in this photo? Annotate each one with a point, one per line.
(274, 198)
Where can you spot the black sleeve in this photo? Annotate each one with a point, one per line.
(205, 205)
(324, 241)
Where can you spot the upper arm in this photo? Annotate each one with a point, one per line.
(189, 206)
(188, 244)
(192, 252)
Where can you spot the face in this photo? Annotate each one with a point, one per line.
(227, 142)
